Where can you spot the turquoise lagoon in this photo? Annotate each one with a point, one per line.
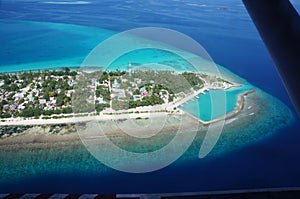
(42, 45)
(55, 45)
(215, 103)
(59, 45)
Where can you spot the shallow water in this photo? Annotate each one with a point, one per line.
(255, 151)
(52, 45)
(215, 103)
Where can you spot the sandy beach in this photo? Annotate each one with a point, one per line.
(115, 116)
(162, 126)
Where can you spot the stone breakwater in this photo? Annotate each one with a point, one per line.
(49, 129)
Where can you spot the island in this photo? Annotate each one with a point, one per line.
(33, 97)
(47, 115)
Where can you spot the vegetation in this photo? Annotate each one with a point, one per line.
(50, 93)
(29, 89)
(146, 101)
(173, 82)
(192, 79)
(101, 107)
(104, 92)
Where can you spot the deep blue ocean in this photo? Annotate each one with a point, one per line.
(228, 35)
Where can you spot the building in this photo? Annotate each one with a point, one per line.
(137, 97)
(101, 100)
(143, 91)
(42, 101)
(115, 84)
(137, 80)
(129, 68)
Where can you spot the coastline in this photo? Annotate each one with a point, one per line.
(36, 138)
(59, 68)
(142, 112)
(56, 134)
(81, 119)
(38, 124)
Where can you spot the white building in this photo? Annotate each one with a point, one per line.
(42, 101)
